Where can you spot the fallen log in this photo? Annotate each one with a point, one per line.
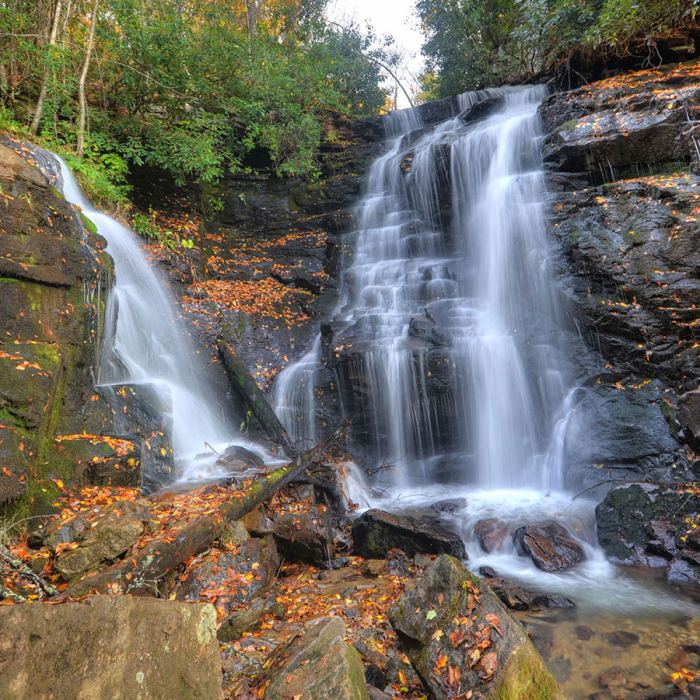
(250, 392)
(143, 568)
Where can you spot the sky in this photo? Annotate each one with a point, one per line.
(396, 18)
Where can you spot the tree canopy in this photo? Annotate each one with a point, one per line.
(188, 86)
(474, 43)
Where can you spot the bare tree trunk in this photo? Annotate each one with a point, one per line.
(36, 121)
(82, 116)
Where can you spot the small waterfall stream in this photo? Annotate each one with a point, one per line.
(149, 344)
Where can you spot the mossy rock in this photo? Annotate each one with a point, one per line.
(448, 603)
(319, 665)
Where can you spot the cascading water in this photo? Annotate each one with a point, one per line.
(148, 344)
(471, 298)
(450, 321)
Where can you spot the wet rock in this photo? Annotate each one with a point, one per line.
(234, 535)
(450, 505)
(514, 597)
(612, 678)
(491, 533)
(144, 410)
(375, 532)
(318, 665)
(553, 601)
(62, 532)
(111, 532)
(487, 572)
(689, 412)
(448, 599)
(650, 524)
(237, 457)
(682, 572)
(257, 523)
(155, 648)
(549, 545)
(304, 537)
(621, 638)
(397, 562)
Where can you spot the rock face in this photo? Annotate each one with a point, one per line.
(318, 665)
(375, 532)
(491, 533)
(53, 282)
(120, 647)
(625, 215)
(460, 637)
(549, 545)
(653, 525)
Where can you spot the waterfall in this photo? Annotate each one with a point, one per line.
(146, 342)
(449, 303)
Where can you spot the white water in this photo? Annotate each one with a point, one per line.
(149, 344)
(484, 277)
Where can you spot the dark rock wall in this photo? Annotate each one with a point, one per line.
(622, 158)
(54, 279)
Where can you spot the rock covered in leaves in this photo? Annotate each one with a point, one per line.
(318, 665)
(375, 532)
(97, 539)
(231, 577)
(655, 525)
(460, 638)
(549, 545)
(118, 646)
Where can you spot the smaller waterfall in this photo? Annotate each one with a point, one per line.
(147, 342)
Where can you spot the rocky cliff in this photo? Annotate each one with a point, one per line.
(54, 278)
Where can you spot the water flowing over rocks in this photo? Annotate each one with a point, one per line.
(459, 636)
(120, 647)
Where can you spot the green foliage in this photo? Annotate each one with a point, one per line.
(474, 43)
(193, 89)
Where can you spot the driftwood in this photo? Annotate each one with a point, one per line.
(251, 394)
(142, 568)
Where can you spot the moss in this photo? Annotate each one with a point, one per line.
(89, 225)
(525, 677)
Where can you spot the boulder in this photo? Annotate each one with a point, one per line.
(648, 524)
(252, 569)
(303, 537)
(375, 532)
(449, 505)
(491, 533)
(111, 532)
(109, 647)
(549, 545)
(318, 665)
(459, 637)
